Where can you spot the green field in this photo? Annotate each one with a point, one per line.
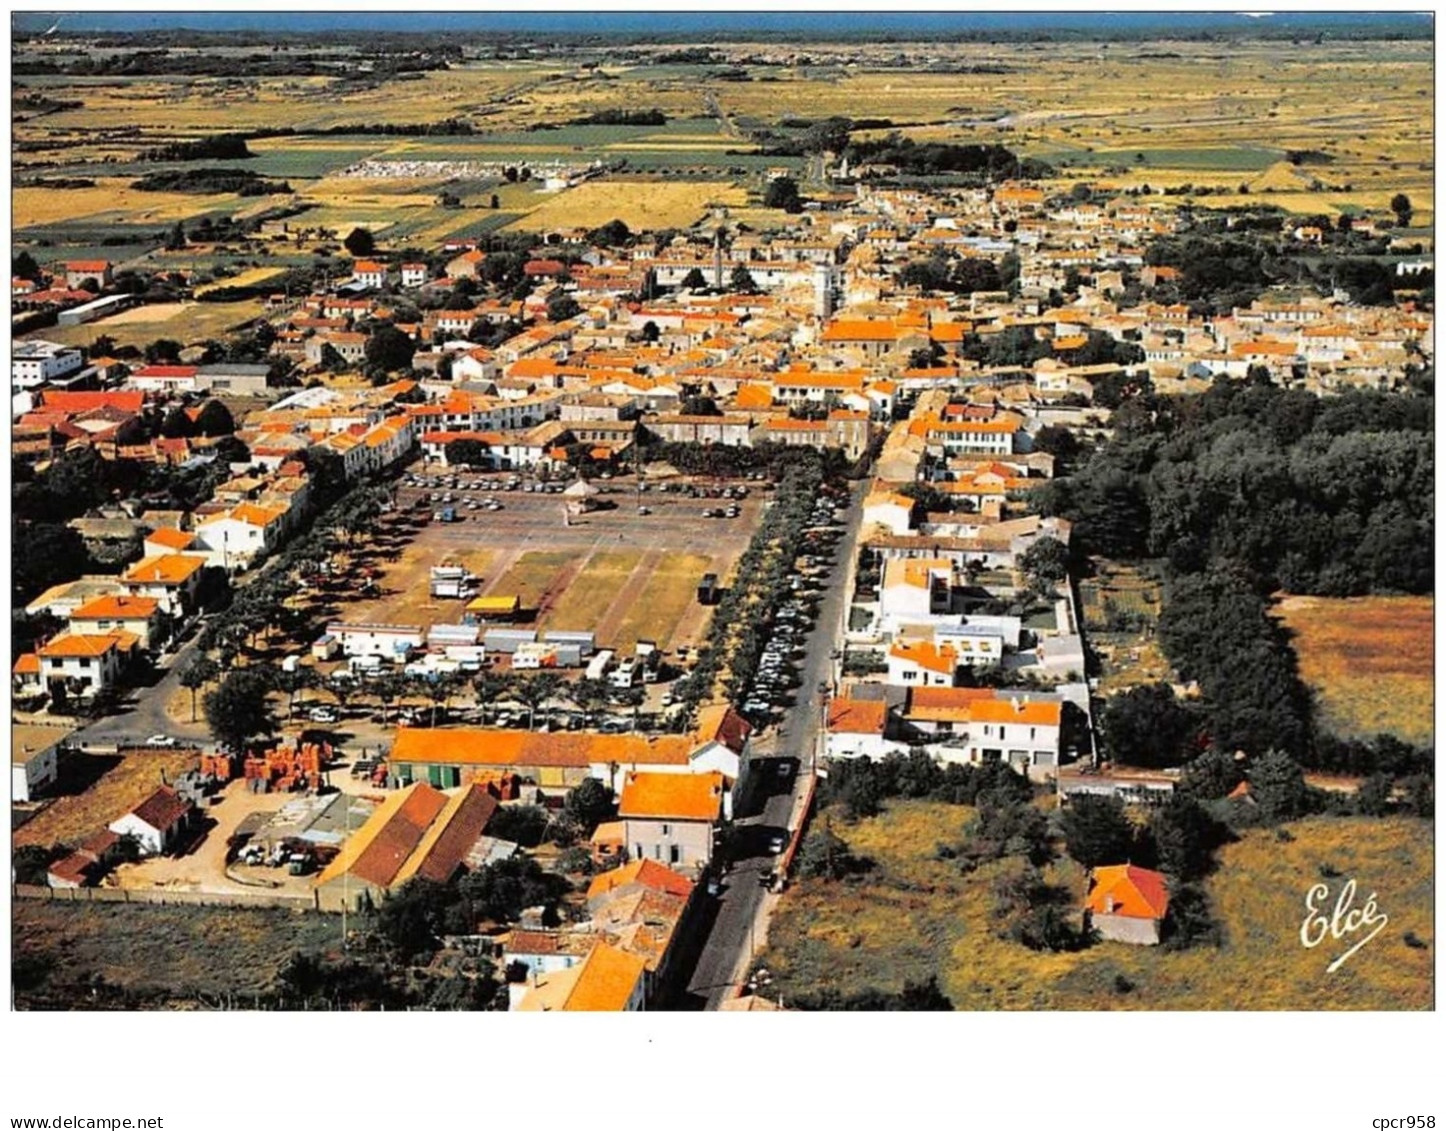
(916, 916)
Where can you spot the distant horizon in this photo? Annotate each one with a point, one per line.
(665, 23)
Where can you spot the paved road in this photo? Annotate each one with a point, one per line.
(144, 712)
(736, 931)
(802, 725)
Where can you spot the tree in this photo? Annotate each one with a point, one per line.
(387, 350)
(741, 279)
(176, 238)
(827, 856)
(782, 192)
(1401, 206)
(360, 243)
(467, 452)
(700, 406)
(163, 351)
(1097, 831)
(1147, 726)
(1185, 835)
(198, 671)
(496, 202)
(23, 266)
(215, 419)
(1278, 786)
(650, 330)
(1045, 563)
(612, 234)
(589, 803)
(236, 710)
(45, 554)
(535, 691)
(177, 424)
(561, 307)
(292, 682)
(412, 918)
(490, 688)
(694, 280)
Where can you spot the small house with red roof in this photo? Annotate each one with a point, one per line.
(1127, 904)
(158, 823)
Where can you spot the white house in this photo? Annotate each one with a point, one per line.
(975, 725)
(140, 616)
(414, 274)
(158, 822)
(922, 663)
(33, 771)
(369, 273)
(857, 728)
(236, 538)
(86, 664)
(890, 510)
(34, 363)
(914, 590)
(172, 579)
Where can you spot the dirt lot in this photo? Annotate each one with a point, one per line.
(623, 575)
(95, 789)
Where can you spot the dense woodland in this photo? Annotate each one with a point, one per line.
(1241, 492)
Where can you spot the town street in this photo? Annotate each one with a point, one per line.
(739, 927)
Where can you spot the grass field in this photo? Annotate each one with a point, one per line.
(98, 788)
(243, 279)
(532, 577)
(182, 955)
(110, 198)
(186, 322)
(916, 916)
(659, 608)
(640, 206)
(1163, 114)
(593, 590)
(1369, 661)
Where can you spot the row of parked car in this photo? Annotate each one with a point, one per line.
(777, 677)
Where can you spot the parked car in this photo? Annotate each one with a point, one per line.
(776, 843)
(161, 740)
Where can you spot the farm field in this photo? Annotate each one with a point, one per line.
(915, 916)
(1370, 662)
(186, 322)
(641, 206)
(1162, 114)
(180, 956)
(95, 789)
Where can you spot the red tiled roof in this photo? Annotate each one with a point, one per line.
(1124, 889)
(162, 809)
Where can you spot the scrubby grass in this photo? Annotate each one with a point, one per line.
(1369, 660)
(915, 916)
(671, 588)
(593, 590)
(111, 784)
(178, 956)
(186, 322)
(531, 576)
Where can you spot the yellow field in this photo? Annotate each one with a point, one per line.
(668, 204)
(186, 322)
(593, 590)
(915, 916)
(661, 604)
(1369, 660)
(531, 577)
(244, 279)
(110, 198)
